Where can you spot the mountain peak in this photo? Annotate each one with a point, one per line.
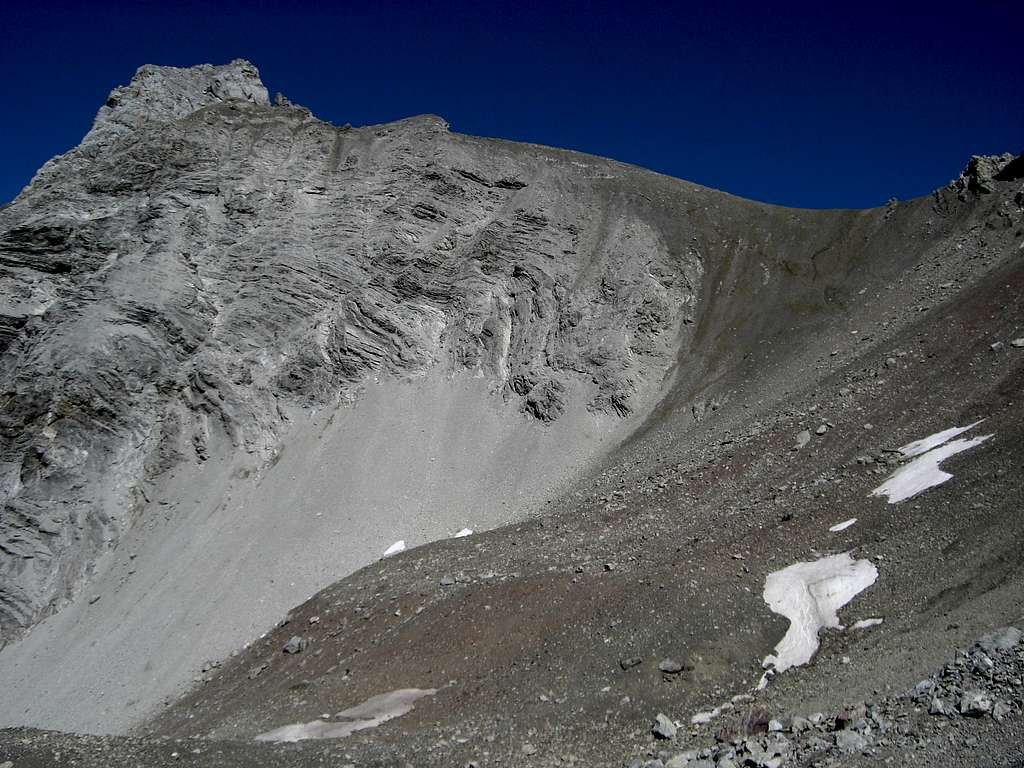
(169, 93)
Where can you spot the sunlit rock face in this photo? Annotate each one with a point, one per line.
(204, 260)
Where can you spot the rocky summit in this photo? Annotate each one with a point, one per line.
(388, 445)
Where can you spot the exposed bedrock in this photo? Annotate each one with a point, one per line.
(205, 263)
(204, 259)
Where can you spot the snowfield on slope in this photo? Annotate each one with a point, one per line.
(371, 713)
(923, 472)
(810, 595)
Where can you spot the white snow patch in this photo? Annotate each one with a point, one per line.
(923, 472)
(810, 595)
(394, 549)
(843, 525)
(926, 444)
(369, 714)
(463, 533)
(865, 623)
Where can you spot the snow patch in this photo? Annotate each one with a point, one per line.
(810, 595)
(917, 447)
(865, 623)
(369, 714)
(843, 525)
(923, 472)
(394, 549)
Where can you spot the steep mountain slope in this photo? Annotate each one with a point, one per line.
(245, 350)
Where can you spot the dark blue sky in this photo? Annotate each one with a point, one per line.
(813, 105)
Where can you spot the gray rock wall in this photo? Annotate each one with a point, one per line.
(204, 258)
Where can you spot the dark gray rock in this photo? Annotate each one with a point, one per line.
(670, 666)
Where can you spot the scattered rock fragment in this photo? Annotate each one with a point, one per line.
(976, 703)
(295, 645)
(630, 662)
(850, 742)
(939, 707)
(670, 666)
(663, 728)
(802, 439)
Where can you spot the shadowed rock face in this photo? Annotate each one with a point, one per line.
(203, 258)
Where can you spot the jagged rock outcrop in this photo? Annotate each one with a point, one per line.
(205, 258)
(983, 171)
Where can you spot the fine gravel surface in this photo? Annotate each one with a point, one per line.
(414, 460)
(246, 351)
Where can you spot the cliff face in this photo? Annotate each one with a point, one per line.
(204, 259)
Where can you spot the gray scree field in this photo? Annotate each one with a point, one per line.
(245, 351)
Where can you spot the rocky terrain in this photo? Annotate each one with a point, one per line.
(246, 350)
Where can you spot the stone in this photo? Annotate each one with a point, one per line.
(802, 439)
(821, 430)
(996, 346)
(939, 707)
(630, 662)
(670, 666)
(1018, 343)
(975, 703)
(295, 645)
(447, 581)
(850, 742)
(801, 724)
(663, 728)
(529, 749)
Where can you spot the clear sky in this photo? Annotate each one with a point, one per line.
(808, 104)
